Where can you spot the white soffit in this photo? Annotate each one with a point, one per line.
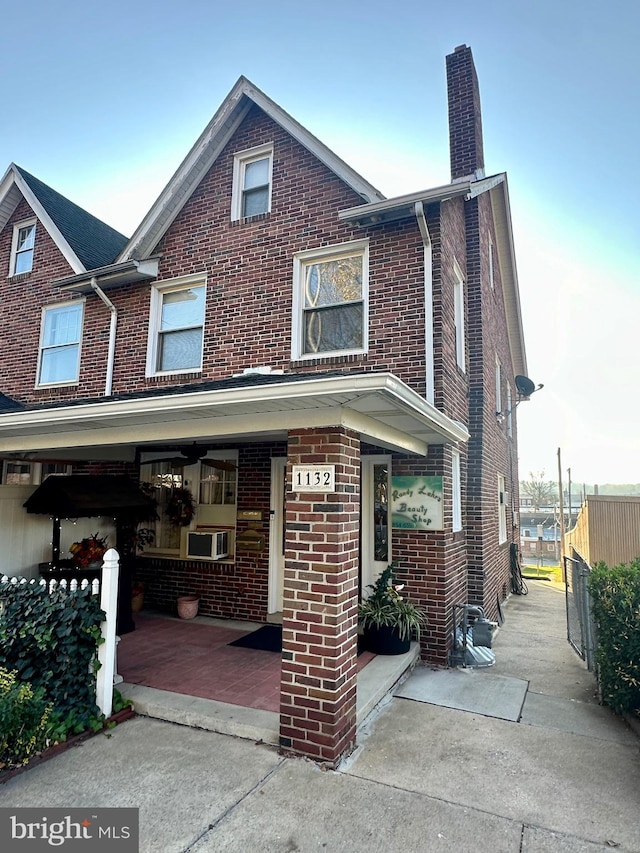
(378, 406)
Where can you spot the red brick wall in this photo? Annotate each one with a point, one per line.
(318, 701)
(249, 270)
(465, 121)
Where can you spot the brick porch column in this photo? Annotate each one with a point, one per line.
(318, 687)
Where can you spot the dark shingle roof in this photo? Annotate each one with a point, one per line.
(94, 242)
(8, 404)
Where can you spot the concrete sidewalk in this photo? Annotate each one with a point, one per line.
(565, 778)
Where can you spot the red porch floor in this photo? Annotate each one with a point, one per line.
(194, 658)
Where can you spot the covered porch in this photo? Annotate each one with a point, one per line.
(186, 672)
(307, 553)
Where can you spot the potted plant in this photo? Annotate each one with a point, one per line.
(388, 621)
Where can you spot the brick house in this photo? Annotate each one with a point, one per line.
(328, 372)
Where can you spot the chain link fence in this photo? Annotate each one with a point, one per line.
(581, 629)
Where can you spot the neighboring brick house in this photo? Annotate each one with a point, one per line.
(275, 312)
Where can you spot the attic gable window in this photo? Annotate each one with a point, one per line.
(176, 326)
(24, 236)
(252, 171)
(59, 362)
(330, 300)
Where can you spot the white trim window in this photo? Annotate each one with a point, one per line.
(456, 492)
(330, 301)
(502, 510)
(176, 325)
(252, 178)
(509, 411)
(22, 247)
(491, 265)
(61, 333)
(458, 307)
(498, 387)
(21, 473)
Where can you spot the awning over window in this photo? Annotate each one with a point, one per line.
(87, 495)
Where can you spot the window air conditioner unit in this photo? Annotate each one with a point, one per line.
(210, 545)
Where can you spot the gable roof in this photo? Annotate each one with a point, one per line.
(207, 149)
(85, 241)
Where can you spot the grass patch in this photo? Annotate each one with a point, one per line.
(552, 573)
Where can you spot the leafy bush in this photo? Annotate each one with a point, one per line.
(386, 607)
(24, 719)
(615, 596)
(50, 641)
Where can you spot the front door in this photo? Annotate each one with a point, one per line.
(375, 542)
(276, 534)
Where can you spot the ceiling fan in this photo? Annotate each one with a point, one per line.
(190, 454)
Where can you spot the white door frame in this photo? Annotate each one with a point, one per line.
(276, 535)
(370, 568)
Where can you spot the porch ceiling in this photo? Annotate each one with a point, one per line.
(379, 406)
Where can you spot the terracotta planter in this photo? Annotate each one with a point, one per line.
(137, 601)
(384, 640)
(188, 606)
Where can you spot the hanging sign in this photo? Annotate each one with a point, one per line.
(313, 478)
(416, 503)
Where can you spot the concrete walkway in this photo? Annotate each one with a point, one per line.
(564, 779)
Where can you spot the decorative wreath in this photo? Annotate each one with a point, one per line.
(180, 508)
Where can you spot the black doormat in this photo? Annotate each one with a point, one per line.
(269, 639)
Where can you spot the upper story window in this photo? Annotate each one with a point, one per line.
(509, 411)
(60, 343)
(491, 265)
(251, 194)
(24, 237)
(498, 387)
(176, 325)
(330, 299)
(458, 307)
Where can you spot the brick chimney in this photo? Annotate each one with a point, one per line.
(465, 119)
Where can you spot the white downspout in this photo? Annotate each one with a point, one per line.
(428, 301)
(108, 384)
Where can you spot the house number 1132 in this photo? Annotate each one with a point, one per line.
(314, 478)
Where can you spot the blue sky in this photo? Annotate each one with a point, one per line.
(102, 102)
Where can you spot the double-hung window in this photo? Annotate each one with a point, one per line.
(456, 492)
(458, 307)
(24, 237)
(176, 325)
(60, 343)
(251, 194)
(330, 299)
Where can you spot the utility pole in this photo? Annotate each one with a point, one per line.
(564, 576)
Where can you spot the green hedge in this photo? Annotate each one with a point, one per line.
(49, 640)
(24, 720)
(615, 594)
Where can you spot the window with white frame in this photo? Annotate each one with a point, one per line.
(60, 343)
(21, 473)
(176, 325)
(458, 303)
(22, 247)
(330, 296)
(498, 387)
(502, 510)
(252, 172)
(456, 492)
(491, 265)
(509, 411)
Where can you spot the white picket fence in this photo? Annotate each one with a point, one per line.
(108, 590)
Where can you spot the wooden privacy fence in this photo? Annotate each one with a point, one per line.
(107, 589)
